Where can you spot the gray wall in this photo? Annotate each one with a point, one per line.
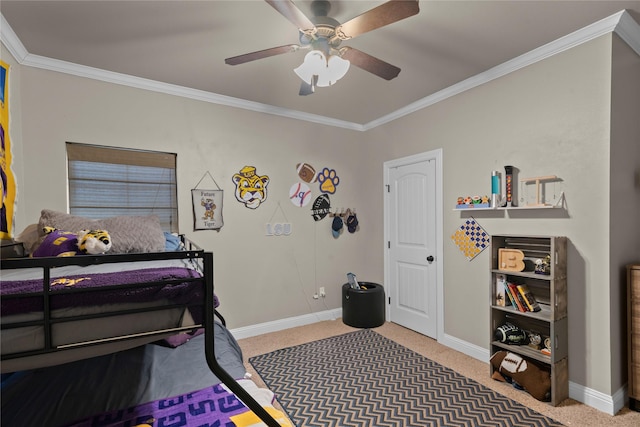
(553, 117)
(258, 278)
(624, 198)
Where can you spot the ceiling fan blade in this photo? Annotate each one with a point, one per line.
(369, 63)
(385, 14)
(260, 54)
(290, 11)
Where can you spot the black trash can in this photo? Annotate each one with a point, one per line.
(363, 308)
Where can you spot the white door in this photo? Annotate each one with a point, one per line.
(411, 207)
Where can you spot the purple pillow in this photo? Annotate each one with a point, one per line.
(58, 243)
(179, 339)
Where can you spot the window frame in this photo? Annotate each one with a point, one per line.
(150, 168)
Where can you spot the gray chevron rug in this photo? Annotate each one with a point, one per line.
(362, 379)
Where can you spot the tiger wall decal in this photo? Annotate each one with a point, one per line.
(251, 189)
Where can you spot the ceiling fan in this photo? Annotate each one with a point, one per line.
(327, 61)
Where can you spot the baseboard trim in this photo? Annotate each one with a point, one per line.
(290, 322)
(465, 347)
(598, 400)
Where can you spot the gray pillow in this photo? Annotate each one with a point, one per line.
(128, 233)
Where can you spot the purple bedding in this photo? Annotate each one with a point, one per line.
(212, 406)
(63, 294)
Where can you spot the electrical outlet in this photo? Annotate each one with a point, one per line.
(322, 292)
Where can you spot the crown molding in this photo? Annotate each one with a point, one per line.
(620, 23)
(629, 31)
(11, 41)
(37, 61)
(23, 57)
(584, 35)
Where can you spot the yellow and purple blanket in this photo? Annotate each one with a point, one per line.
(210, 407)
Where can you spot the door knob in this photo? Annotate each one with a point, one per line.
(430, 258)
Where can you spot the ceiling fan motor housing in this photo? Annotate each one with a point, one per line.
(324, 38)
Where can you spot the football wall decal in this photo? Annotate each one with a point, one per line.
(306, 172)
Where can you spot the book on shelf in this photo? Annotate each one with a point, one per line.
(509, 296)
(515, 294)
(501, 297)
(528, 298)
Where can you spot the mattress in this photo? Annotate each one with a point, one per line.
(91, 322)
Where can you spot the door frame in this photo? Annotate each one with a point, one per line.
(435, 155)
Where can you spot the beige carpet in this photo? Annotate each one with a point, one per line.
(569, 412)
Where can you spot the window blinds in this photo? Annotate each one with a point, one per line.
(105, 182)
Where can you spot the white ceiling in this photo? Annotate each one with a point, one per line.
(184, 43)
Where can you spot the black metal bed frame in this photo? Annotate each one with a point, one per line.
(192, 251)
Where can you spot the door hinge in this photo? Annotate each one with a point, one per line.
(389, 300)
(388, 188)
(389, 244)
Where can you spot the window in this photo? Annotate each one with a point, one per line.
(106, 182)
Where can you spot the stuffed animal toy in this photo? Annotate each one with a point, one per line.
(65, 243)
(57, 243)
(532, 378)
(94, 241)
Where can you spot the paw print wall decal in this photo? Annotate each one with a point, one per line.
(328, 180)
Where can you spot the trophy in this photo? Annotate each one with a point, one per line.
(509, 186)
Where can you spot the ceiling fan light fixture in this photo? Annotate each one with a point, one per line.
(327, 71)
(314, 62)
(308, 89)
(336, 68)
(327, 62)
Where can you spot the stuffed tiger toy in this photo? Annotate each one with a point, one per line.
(94, 241)
(65, 243)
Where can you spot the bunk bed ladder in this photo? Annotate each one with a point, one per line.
(218, 370)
